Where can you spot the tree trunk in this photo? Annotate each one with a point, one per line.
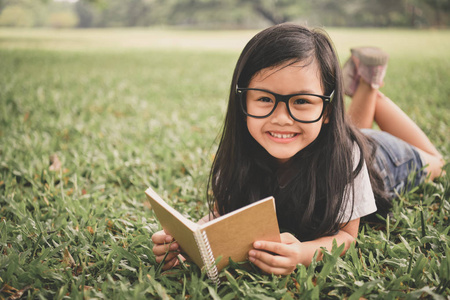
(268, 15)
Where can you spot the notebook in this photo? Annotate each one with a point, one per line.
(228, 236)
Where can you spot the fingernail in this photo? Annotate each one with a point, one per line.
(257, 244)
(168, 239)
(252, 259)
(251, 253)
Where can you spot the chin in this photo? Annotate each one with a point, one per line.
(282, 158)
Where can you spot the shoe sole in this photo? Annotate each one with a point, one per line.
(370, 56)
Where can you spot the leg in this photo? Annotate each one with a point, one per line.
(392, 119)
(363, 74)
(368, 105)
(363, 106)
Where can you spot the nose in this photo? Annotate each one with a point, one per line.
(281, 115)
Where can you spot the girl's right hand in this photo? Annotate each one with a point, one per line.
(164, 243)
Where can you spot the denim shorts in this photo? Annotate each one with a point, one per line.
(400, 164)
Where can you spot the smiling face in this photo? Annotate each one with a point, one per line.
(279, 134)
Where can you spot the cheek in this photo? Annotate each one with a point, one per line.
(312, 131)
(253, 126)
(256, 129)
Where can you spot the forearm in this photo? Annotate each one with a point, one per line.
(208, 217)
(309, 248)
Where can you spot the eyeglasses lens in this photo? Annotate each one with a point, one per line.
(302, 107)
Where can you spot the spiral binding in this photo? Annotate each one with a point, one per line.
(207, 255)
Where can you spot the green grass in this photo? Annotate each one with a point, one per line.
(123, 118)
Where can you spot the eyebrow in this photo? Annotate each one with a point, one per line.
(298, 92)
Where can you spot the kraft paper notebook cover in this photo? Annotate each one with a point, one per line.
(228, 236)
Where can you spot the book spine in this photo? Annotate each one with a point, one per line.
(207, 255)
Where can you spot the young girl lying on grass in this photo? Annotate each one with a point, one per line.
(286, 135)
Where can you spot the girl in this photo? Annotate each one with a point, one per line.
(286, 135)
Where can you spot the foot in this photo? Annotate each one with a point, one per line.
(367, 63)
(351, 77)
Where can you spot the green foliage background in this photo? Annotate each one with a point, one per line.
(121, 118)
(221, 14)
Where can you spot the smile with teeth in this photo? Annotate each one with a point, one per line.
(282, 136)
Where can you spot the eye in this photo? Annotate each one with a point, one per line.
(301, 101)
(264, 99)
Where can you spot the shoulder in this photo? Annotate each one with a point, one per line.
(357, 157)
(359, 197)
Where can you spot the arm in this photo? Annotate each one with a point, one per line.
(209, 217)
(291, 251)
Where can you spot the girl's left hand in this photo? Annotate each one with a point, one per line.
(283, 258)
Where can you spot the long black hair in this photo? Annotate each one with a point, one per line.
(309, 189)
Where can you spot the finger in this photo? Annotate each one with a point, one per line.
(270, 269)
(169, 257)
(162, 249)
(170, 264)
(157, 236)
(274, 247)
(166, 247)
(161, 237)
(269, 259)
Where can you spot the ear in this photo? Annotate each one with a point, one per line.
(326, 115)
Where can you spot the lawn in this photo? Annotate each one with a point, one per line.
(89, 119)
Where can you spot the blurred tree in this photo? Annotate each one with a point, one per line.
(137, 12)
(380, 13)
(414, 12)
(16, 16)
(278, 11)
(441, 8)
(29, 12)
(243, 13)
(62, 19)
(85, 14)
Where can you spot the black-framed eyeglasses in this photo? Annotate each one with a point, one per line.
(304, 108)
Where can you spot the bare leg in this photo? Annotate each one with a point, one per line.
(368, 105)
(363, 105)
